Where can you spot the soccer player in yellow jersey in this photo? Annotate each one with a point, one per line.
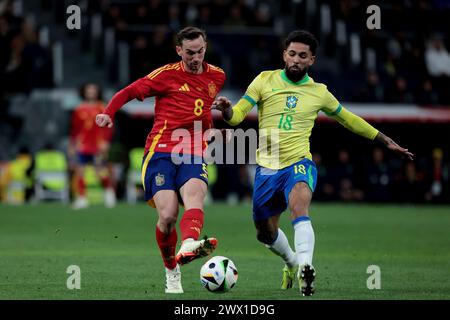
(288, 102)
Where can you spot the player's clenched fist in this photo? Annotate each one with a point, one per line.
(103, 120)
(221, 104)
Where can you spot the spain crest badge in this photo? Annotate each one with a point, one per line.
(212, 89)
(160, 180)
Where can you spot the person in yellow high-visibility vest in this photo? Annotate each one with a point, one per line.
(16, 180)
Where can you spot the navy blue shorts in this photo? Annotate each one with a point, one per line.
(85, 158)
(160, 172)
(91, 158)
(272, 187)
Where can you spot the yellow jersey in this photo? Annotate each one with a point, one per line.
(286, 114)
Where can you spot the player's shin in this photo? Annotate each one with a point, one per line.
(81, 186)
(304, 239)
(106, 182)
(191, 224)
(167, 244)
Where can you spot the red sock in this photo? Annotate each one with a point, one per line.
(106, 182)
(191, 224)
(167, 244)
(81, 186)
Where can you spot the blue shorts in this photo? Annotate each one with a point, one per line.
(85, 158)
(272, 187)
(162, 173)
(90, 158)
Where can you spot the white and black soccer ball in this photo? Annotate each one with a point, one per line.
(218, 274)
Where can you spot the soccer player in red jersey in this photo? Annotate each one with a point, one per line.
(184, 93)
(90, 144)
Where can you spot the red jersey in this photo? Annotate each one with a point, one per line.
(182, 101)
(84, 134)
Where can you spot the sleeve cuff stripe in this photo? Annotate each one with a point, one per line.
(249, 99)
(339, 108)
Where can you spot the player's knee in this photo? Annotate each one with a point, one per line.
(167, 217)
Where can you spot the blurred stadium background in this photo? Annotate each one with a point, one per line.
(391, 76)
(398, 78)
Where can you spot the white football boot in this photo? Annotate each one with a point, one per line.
(80, 203)
(193, 249)
(173, 280)
(110, 198)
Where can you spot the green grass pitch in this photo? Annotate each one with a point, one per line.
(118, 256)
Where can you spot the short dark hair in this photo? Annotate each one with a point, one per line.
(189, 33)
(302, 36)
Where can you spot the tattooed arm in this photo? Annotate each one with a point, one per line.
(391, 145)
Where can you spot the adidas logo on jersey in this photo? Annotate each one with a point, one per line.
(184, 87)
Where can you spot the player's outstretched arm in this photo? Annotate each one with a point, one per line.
(117, 101)
(359, 126)
(391, 145)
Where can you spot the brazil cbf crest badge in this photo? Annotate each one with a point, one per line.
(159, 180)
(291, 102)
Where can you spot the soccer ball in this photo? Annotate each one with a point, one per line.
(218, 274)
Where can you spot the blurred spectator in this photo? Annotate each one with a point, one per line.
(7, 11)
(345, 178)
(140, 57)
(438, 64)
(113, 18)
(325, 190)
(263, 55)
(158, 12)
(437, 58)
(142, 15)
(399, 92)
(15, 72)
(219, 8)
(146, 56)
(4, 42)
(174, 18)
(37, 60)
(24, 64)
(425, 95)
(439, 177)
(204, 16)
(263, 16)
(412, 187)
(372, 90)
(378, 185)
(235, 17)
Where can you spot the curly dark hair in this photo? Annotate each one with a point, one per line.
(302, 36)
